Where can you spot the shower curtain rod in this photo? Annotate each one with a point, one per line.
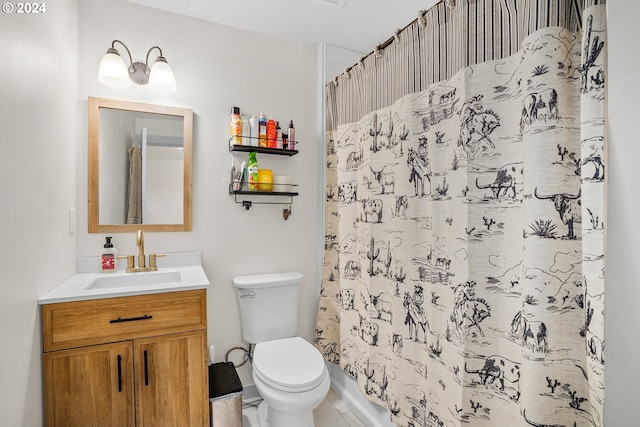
(386, 43)
(382, 45)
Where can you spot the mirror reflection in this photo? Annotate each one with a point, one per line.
(142, 167)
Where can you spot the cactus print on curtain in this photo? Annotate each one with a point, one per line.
(464, 251)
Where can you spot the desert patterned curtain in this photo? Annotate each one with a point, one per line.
(463, 277)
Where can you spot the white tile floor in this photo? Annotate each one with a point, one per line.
(332, 412)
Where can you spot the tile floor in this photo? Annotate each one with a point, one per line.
(332, 412)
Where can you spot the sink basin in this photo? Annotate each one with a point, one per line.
(135, 279)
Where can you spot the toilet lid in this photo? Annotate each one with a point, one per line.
(289, 363)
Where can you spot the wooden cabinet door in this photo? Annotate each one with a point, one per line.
(90, 386)
(172, 386)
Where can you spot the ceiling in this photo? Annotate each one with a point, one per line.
(358, 25)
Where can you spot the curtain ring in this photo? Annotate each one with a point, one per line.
(451, 4)
(396, 35)
(361, 62)
(335, 80)
(377, 51)
(421, 18)
(347, 72)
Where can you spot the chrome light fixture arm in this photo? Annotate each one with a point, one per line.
(160, 58)
(114, 50)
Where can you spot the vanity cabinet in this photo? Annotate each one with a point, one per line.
(136, 361)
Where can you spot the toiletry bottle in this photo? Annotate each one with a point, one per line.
(246, 130)
(108, 257)
(278, 136)
(253, 127)
(285, 143)
(252, 170)
(236, 126)
(262, 130)
(243, 175)
(292, 136)
(271, 133)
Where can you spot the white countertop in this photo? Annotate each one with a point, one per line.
(187, 264)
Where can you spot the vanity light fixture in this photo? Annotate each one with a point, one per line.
(115, 73)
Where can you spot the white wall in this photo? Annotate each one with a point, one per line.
(38, 93)
(216, 67)
(337, 60)
(622, 319)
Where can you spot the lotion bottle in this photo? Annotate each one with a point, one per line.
(109, 257)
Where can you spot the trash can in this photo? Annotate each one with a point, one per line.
(225, 395)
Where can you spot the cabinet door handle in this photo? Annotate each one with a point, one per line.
(130, 319)
(146, 368)
(119, 373)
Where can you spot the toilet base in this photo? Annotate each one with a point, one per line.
(269, 417)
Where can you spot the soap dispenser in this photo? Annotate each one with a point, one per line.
(109, 256)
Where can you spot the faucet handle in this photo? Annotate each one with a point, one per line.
(131, 261)
(152, 259)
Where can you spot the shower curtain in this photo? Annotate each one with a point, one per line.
(463, 279)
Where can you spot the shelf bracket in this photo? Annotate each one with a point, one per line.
(286, 212)
(248, 204)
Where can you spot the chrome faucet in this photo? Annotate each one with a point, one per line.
(142, 258)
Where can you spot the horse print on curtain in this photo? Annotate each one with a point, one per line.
(464, 249)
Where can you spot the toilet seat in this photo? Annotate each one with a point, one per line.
(289, 364)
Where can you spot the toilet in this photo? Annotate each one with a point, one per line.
(289, 372)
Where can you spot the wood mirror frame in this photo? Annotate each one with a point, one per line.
(93, 163)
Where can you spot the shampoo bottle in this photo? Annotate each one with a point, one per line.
(109, 256)
(252, 171)
(246, 130)
(236, 126)
(262, 131)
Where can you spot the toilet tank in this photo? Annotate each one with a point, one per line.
(268, 305)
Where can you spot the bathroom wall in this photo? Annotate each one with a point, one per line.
(38, 92)
(216, 67)
(622, 320)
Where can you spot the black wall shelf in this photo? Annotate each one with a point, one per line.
(264, 150)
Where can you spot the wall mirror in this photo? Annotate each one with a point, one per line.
(139, 167)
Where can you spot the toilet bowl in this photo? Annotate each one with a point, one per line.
(292, 379)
